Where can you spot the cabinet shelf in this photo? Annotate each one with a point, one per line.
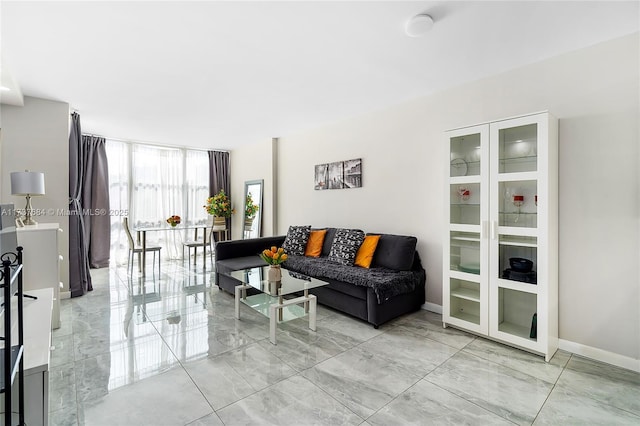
(462, 180)
(475, 319)
(515, 330)
(471, 239)
(471, 270)
(466, 293)
(519, 159)
(465, 276)
(518, 214)
(516, 176)
(517, 244)
(518, 286)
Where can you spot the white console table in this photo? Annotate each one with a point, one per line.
(41, 260)
(37, 344)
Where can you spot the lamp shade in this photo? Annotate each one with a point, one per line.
(27, 183)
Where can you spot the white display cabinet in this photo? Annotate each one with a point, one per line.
(502, 208)
(42, 259)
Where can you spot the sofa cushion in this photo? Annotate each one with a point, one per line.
(314, 245)
(345, 246)
(237, 263)
(364, 256)
(296, 240)
(395, 252)
(328, 241)
(386, 283)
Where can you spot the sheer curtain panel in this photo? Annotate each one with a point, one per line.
(196, 187)
(118, 156)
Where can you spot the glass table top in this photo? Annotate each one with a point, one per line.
(291, 282)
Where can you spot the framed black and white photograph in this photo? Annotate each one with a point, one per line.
(321, 176)
(352, 175)
(336, 175)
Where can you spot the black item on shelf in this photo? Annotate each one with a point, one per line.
(525, 277)
(534, 327)
(520, 264)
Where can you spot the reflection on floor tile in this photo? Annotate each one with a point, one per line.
(64, 417)
(303, 348)
(169, 351)
(63, 350)
(166, 399)
(62, 387)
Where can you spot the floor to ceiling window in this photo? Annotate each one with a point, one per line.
(152, 183)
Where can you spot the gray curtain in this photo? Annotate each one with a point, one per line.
(95, 196)
(219, 177)
(79, 275)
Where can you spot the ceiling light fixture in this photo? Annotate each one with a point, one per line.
(4, 89)
(419, 25)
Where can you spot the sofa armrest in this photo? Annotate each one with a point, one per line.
(242, 248)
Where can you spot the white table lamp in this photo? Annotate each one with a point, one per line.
(27, 183)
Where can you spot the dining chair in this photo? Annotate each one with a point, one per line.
(197, 242)
(135, 249)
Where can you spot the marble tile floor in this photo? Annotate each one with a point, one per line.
(168, 351)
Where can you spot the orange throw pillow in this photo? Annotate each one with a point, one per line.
(366, 251)
(314, 245)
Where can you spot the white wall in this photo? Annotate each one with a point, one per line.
(594, 92)
(252, 162)
(36, 137)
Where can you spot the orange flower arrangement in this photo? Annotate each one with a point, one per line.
(174, 220)
(274, 256)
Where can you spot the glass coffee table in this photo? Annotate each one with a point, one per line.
(271, 301)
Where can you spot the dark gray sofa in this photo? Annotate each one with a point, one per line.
(393, 286)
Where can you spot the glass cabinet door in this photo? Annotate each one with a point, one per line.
(514, 218)
(466, 250)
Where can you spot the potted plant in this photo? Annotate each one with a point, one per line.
(250, 211)
(219, 206)
(274, 257)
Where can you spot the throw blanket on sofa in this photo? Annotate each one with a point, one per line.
(385, 283)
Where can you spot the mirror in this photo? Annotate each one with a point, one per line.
(252, 225)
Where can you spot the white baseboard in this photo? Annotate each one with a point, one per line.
(432, 307)
(600, 355)
(576, 348)
(65, 295)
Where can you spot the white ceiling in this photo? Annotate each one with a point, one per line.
(222, 74)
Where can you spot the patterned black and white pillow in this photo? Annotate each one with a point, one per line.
(345, 246)
(296, 240)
